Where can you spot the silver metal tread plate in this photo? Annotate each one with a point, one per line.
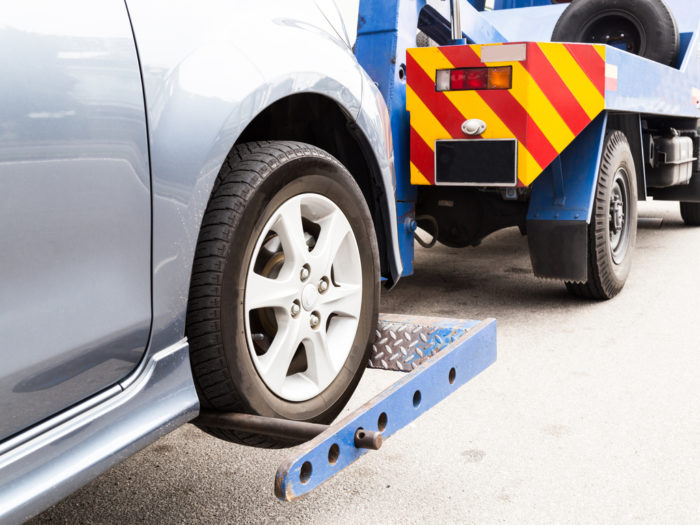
(404, 342)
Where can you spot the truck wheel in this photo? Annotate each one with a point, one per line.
(613, 228)
(643, 27)
(690, 211)
(285, 288)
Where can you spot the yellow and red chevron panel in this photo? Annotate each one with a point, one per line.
(557, 90)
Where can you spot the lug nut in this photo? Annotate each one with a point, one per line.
(305, 272)
(314, 320)
(323, 285)
(295, 309)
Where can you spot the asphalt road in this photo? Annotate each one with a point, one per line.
(590, 414)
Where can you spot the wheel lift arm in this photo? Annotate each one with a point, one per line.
(437, 355)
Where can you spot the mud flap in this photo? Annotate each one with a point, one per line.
(559, 249)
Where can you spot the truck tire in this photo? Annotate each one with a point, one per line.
(285, 288)
(643, 27)
(690, 211)
(613, 228)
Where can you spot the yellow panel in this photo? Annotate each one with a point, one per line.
(423, 121)
(573, 76)
(470, 105)
(528, 169)
(600, 48)
(528, 93)
(417, 177)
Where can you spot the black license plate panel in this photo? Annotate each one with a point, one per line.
(476, 162)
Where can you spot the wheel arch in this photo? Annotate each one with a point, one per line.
(197, 110)
(321, 121)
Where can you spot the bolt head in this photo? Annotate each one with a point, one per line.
(323, 286)
(314, 320)
(304, 273)
(295, 309)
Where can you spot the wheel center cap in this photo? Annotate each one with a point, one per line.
(309, 297)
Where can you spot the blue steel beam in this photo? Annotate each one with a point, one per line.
(385, 29)
(451, 366)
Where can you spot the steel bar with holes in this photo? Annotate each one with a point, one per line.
(439, 355)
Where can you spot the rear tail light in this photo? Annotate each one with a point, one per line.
(474, 78)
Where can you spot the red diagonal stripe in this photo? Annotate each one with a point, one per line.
(510, 111)
(591, 62)
(422, 156)
(554, 88)
(440, 106)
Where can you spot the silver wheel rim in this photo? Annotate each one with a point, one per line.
(618, 217)
(303, 297)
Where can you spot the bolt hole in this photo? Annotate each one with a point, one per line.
(381, 422)
(416, 398)
(361, 435)
(452, 375)
(305, 472)
(333, 453)
(402, 71)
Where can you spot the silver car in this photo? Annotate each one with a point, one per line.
(196, 207)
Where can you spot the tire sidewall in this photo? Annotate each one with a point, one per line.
(653, 17)
(294, 177)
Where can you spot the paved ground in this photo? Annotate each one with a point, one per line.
(590, 413)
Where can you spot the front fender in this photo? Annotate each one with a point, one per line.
(208, 69)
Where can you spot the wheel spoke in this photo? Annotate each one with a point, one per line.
(262, 292)
(320, 366)
(274, 364)
(345, 300)
(291, 233)
(334, 229)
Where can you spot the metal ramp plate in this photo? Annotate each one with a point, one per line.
(439, 355)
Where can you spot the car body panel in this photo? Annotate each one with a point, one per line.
(40, 471)
(75, 205)
(205, 79)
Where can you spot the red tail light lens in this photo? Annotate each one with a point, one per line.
(469, 79)
(474, 78)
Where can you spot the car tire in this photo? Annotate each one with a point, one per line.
(613, 228)
(690, 212)
(643, 27)
(285, 288)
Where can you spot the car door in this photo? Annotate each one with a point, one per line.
(75, 206)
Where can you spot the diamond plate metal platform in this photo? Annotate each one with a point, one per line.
(404, 342)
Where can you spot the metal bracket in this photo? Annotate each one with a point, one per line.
(454, 351)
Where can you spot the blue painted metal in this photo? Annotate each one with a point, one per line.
(539, 26)
(650, 88)
(478, 4)
(468, 355)
(384, 31)
(512, 4)
(567, 192)
(407, 227)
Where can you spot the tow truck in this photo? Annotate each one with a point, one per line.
(560, 139)
(494, 127)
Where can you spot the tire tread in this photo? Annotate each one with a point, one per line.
(245, 168)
